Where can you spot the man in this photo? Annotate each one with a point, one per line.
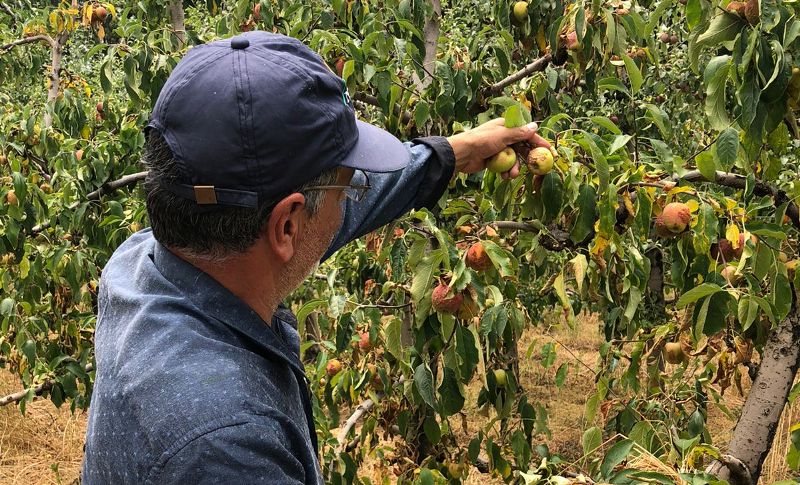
(257, 170)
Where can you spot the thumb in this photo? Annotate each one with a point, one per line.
(521, 133)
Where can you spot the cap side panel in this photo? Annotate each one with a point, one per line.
(174, 89)
(244, 104)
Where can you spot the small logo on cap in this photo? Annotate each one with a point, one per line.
(346, 95)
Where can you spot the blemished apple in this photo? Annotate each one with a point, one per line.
(540, 161)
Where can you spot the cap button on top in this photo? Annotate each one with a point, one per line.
(239, 43)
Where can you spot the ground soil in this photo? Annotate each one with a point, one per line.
(46, 445)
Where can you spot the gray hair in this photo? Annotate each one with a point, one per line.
(213, 235)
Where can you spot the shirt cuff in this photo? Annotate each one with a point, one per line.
(439, 170)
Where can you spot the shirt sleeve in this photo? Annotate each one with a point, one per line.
(250, 452)
(420, 184)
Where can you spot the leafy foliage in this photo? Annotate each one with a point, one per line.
(630, 117)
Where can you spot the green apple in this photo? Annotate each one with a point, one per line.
(500, 377)
(503, 161)
(521, 11)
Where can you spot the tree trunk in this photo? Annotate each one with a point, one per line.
(176, 17)
(755, 430)
(431, 33)
(56, 54)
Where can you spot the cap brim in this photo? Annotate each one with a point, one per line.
(376, 150)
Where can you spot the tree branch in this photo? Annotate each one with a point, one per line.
(538, 65)
(431, 34)
(29, 40)
(556, 240)
(176, 17)
(37, 390)
(405, 116)
(362, 408)
(761, 188)
(95, 195)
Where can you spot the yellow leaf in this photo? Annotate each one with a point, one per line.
(101, 33)
(54, 19)
(111, 9)
(732, 235)
(540, 39)
(85, 132)
(87, 90)
(730, 203)
(680, 190)
(693, 205)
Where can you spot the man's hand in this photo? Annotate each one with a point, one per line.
(474, 147)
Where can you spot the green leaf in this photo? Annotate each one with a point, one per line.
(705, 163)
(421, 114)
(747, 311)
(451, 398)
(7, 307)
(634, 74)
(619, 142)
(394, 343)
(592, 440)
(615, 456)
(727, 148)
(723, 28)
(561, 374)
(514, 116)
(715, 78)
(698, 292)
(587, 213)
(423, 380)
(432, 430)
(505, 262)
(606, 123)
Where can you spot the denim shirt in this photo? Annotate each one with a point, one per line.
(191, 385)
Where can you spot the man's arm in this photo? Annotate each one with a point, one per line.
(420, 184)
(424, 180)
(250, 452)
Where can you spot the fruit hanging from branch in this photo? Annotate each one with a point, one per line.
(673, 352)
(477, 258)
(445, 300)
(540, 161)
(676, 217)
(521, 11)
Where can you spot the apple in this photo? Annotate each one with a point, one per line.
(521, 11)
(731, 275)
(573, 43)
(99, 13)
(364, 342)
(444, 300)
(500, 378)
(334, 367)
(477, 258)
(79, 154)
(673, 352)
(11, 198)
(540, 161)
(676, 217)
(340, 66)
(503, 161)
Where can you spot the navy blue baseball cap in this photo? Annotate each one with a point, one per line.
(252, 118)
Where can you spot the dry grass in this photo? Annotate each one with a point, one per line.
(45, 446)
(31, 445)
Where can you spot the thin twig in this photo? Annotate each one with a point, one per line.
(538, 65)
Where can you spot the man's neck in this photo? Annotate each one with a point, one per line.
(255, 288)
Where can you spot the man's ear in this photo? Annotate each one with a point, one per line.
(284, 224)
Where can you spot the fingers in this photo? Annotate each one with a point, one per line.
(514, 135)
(512, 173)
(538, 141)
